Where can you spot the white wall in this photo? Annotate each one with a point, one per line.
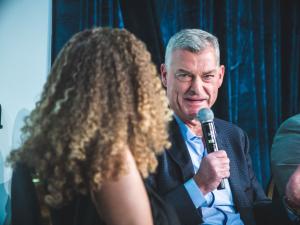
(25, 35)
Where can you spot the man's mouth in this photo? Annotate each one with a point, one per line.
(196, 99)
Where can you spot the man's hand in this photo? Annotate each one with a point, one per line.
(292, 191)
(213, 168)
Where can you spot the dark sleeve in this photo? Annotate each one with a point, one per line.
(162, 212)
(258, 192)
(24, 202)
(185, 208)
(179, 200)
(265, 210)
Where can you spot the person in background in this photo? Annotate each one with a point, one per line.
(94, 135)
(285, 162)
(293, 188)
(187, 176)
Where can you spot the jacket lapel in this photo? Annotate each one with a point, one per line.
(179, 152)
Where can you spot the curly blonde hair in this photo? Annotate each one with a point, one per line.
(103, 94)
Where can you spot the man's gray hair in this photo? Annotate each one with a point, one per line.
(193, 40)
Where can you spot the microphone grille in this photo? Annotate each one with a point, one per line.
(205, 115)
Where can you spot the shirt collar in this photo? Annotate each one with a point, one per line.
(186, 132)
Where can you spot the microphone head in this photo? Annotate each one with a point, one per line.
(205, 115)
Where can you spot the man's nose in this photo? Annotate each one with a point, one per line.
(197, 85)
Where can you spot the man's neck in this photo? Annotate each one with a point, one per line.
(195, 126)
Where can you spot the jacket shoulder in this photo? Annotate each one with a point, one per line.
(226, 126)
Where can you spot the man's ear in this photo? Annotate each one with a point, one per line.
(221, 75)
(163, 74)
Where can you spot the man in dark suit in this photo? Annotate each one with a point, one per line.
(285, 153)
(285, 161)
(188, 177)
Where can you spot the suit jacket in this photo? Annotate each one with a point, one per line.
(175, 167)
(285, 154)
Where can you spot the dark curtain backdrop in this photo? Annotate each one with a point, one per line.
(260, 47)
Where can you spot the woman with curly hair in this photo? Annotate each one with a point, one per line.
(99, 124)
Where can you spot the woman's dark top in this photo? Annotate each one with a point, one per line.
(81, 211)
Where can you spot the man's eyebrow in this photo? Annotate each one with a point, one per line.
(184, 71)
(209, 71)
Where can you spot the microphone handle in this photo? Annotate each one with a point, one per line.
(209, 133)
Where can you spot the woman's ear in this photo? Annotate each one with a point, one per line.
(163, 74)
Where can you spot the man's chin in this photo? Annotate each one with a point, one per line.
(192, 116)
(193, 113)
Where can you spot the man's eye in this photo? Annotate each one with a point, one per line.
(208, 76)
(184, 77)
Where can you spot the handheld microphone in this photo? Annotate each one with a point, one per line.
(206, 118)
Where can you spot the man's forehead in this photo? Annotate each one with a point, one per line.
(185, 60)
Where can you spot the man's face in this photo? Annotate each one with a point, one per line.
(192, 81)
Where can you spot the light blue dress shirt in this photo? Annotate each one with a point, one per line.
(217, 206)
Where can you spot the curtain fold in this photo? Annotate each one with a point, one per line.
(259, 43)
(140, 18)
(72, 16)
